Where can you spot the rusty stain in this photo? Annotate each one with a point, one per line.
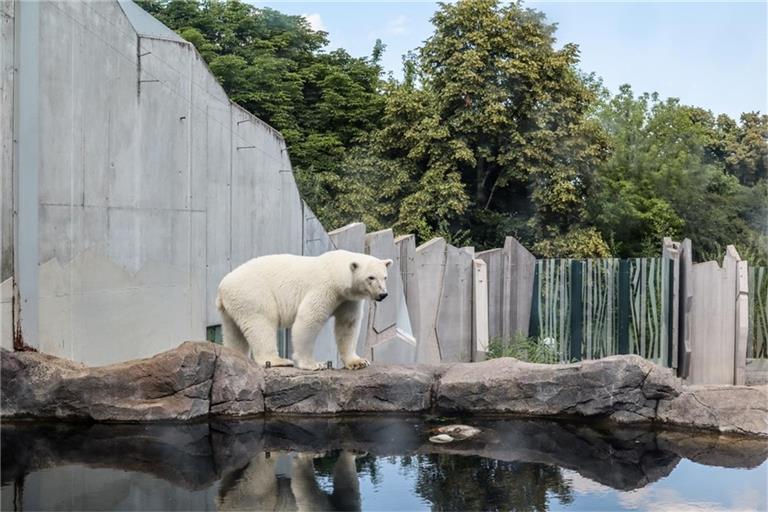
(18, 337)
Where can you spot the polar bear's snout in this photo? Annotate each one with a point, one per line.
(381, 297)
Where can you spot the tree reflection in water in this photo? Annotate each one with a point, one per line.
(478, 483)
(327, 463)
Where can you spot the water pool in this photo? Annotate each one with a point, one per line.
(375, 463)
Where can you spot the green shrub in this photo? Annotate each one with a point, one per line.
(524, 348)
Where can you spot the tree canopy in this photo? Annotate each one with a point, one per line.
(492, 131)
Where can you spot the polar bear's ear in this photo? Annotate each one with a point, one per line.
(387, 263)
(353, 266)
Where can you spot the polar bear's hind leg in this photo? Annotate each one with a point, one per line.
(261, 334)
(231, 335)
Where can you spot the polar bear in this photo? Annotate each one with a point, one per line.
(300, 292)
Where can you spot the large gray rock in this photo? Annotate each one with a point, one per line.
(738, 409)
(202, 379)
(238, 385)
(174, 385)
(373, 389)
(628, 386)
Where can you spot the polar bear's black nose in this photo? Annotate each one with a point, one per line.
(382, 296)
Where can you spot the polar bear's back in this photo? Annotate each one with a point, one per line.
(275, 285)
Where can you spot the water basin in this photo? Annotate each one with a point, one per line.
(375, 463)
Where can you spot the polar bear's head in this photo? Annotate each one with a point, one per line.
(369, 277)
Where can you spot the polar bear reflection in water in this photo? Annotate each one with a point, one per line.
(283, 481)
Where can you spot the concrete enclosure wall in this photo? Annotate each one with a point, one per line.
(150, 184)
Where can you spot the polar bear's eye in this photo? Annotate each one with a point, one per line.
(371, 278)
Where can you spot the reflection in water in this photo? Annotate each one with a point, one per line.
(261, 485)
(358, 463)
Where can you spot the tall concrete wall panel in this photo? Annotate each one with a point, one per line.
(454, 316)
(742, 322)
(406, 258)
(317, 242)
(152, 184)
(685, 308)
(352, 238)
(430, 265)
(517, 292)
(713, 321)
(349, 238)
(493, 259)
(479, 310)
(382, 245)
(390, 336)
(7, 73)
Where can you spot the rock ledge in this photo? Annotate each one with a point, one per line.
(200, 379)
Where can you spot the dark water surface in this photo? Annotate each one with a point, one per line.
(375, 463)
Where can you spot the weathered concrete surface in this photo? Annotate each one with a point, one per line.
(127, 238)
(389, 338)
(739, 409)
(199, 379)
(714, 322)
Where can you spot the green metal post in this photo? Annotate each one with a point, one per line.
(533, 325)
(670, 310)
(624, 307)
(577, 309)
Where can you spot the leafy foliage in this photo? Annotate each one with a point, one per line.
(667, 177)
(493, 131)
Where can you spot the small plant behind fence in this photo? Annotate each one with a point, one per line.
(599, 307)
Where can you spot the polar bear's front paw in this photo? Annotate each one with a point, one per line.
(356, 363)
(309, 365)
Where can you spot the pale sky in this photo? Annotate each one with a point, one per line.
(708, 54)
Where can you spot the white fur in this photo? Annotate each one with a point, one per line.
(300, 292)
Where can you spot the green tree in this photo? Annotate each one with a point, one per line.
(665, 177)
(492, 125)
